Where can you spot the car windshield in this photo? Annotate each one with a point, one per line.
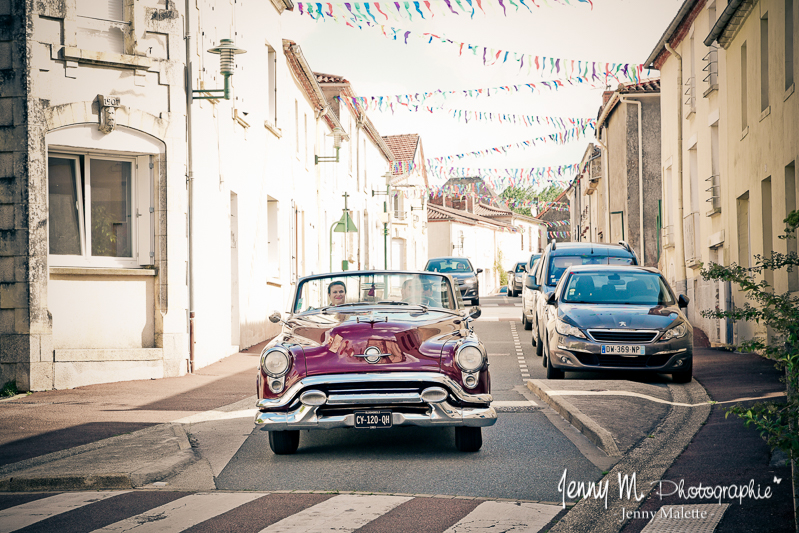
(520, 267)
(449, 265)
(338, 290)
(559, 263)
(619, 287)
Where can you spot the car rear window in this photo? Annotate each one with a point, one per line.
(634, 288)
(449, 265)
(559, 263)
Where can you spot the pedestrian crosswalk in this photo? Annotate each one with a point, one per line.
(261, 512)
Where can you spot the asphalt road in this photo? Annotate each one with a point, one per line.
(523, 455)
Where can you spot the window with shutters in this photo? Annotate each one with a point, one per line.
(101, 25)
(99, 210)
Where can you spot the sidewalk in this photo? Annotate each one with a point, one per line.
(79, 433)
(665, 431)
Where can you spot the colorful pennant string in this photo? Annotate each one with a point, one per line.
(557, 138)
(500, 178)
(424, 9)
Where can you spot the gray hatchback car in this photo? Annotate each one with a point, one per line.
(613, 317)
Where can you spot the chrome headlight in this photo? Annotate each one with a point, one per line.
(469, 357)
(675, 333)
(275, 361)
(567, 329)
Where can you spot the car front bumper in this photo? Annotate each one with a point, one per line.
(585, 356)
(408, 408)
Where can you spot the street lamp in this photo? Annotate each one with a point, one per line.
(338, 136)
(226, 51)
(384, 218)
(343, 225)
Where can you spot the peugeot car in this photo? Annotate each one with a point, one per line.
(461, 269)
(610, 318)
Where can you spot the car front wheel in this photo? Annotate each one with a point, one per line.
(284, 442)
(526, 323)
(552, 372)
(683, 376)
(468, 439)
(539, 348)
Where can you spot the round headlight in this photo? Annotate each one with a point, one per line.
(275, 362)
(469, 358)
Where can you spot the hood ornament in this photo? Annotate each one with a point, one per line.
(372, 318)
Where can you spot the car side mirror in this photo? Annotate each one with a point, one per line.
(552, 299)
(479, 270)
(475, 312)
(683, 301)
(530, 283)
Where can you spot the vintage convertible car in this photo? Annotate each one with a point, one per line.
(375, 349)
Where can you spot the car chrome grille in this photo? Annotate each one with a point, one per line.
(623, 335)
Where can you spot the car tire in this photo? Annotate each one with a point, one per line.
(683, 376)
(552, 372)
(475, 301)
(526, 323)
(468, 439)
(284, 442)
(539, 348)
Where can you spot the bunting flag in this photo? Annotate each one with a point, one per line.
(562, 234)
(557, 138)
(500, 178)
(468, 115)
(421, 9)
(556, 224)
(429, 100)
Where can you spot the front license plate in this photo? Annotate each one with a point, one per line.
(623, 349)
(372, 419)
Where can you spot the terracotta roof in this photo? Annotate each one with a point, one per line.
(454, 185)
(329, 78)
(403, 146)
(651, 85)
(437, 212)
(492, 210)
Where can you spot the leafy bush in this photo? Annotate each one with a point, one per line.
(9, 389)
(777, 422)
(503, 275)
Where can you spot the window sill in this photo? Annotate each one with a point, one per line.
(274, 130)
(789, 92)
(766, 112)
(274, 284)
(691, 113)
(667, 246)
(72, 53)
(693, 263)
(744, 133)
(710, 90)
(104, 271)
(714, 211)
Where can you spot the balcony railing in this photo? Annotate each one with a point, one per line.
(690, 94)
(715, 193)
(400, 216)
(712, 66)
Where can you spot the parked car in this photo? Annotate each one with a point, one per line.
(371, 350)
(610, 317)
(461, 269)
(556, 258)
(528, 294)
(516, 278)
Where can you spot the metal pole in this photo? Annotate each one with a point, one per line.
(190, 184)
(331, 245)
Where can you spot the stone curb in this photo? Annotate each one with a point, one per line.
(158, 469)
(584, 424)
(647, 461)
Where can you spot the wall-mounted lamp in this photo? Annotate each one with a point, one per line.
(226, 51)
(338, 136)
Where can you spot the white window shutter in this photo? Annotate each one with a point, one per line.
(145, 215)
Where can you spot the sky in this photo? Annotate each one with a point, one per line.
(614, 31)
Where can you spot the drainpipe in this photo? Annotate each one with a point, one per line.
(606, 179)
(640, 176)
(680, 244)
(190, 185)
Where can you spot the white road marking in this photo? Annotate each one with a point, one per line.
(343, 513)
(183, 513)
(498, 354)
(208, 416)
(29, 513)
(520, 403)
(506, 517)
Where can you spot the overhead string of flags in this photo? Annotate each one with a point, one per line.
(407, 10)
(562, 137)
(501, 178)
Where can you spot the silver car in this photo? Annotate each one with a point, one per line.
(613, 317)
